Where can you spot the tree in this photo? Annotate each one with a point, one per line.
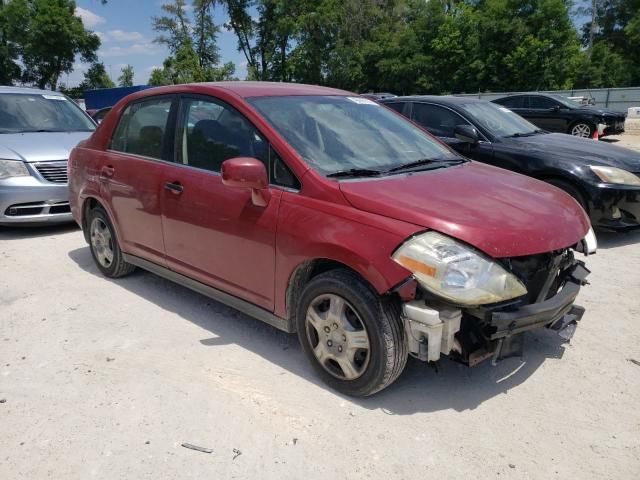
(126, 78)
(194, 53)
(48, 37)
(96, 77)
(9, 68)
(158, 78)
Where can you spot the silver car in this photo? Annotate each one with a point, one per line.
(38, 129)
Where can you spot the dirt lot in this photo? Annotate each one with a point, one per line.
(105, 379)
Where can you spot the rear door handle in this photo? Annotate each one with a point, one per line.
(174, 187)
(107, 171)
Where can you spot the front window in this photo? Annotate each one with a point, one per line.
(337, 134)
(500, 121)
(567, 102)
(25, 113)
(438, 120)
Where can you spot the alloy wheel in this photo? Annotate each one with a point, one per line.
(581, 130)
(101, 242)
(337, 336)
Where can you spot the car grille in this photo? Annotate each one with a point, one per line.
(534, 271)
(55, 172)
(37, 208)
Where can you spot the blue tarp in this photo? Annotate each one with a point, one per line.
(108, 97)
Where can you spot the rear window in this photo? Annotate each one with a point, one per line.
(24, 113)
(512, 102)
(142, 128)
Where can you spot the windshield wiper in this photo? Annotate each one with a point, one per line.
(355, 172)
(526, 134)
(425, 161)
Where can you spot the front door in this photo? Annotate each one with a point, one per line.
(213, 233)
(441, 121)
(545, 113)
(131, 173)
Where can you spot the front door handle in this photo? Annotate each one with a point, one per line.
(107, 171)
(174, 187)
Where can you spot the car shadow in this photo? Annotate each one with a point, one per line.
(35, 231)
(608, 240)
(421, 388)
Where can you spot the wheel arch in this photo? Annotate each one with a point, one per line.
(573, 181)
(89, 203)
(311, 268)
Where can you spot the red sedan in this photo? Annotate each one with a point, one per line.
(324, 213)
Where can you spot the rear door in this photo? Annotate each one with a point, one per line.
(441, 121)
(214, 233)
(132, 174)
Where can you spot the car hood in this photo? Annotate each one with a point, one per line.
(601, 111)
(501, 213)
(579, 150)
(39, 146)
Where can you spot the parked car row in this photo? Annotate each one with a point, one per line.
(604, 179)
(556, 113)
(325, 213)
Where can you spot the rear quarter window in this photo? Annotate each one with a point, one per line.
(142, 128)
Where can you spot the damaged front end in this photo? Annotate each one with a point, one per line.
(468, 333)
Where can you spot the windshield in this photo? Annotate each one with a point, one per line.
(499, 120)
(336, 134)
(20, 113)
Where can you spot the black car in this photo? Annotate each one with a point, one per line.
(99, 115)
(603, 178)
(556, 113)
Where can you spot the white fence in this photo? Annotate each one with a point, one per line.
(619, 99)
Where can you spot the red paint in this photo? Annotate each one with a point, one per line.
(216, 232)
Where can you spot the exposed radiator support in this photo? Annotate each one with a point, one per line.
(430, 331)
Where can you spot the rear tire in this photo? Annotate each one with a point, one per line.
(571, 190)
(104, 245)
(353, 337)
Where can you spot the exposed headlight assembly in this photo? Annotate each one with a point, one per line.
(615, 175)
(456, 272)
(13, 168)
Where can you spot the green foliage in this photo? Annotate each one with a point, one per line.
(46, 37)
(126, 77)
(194, 53)
(96, 77)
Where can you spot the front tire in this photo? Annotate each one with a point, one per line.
(581, 129)
(104, 245)
(353, 337)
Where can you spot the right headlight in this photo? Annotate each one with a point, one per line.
(615, 175)
(13, 168)
(457, 272)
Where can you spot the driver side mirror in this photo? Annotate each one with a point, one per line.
(247, 172)
(555, 108)
(466, 134)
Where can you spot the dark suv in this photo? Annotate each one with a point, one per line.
(555, 113)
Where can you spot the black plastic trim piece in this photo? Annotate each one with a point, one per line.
(540, 314)
(213, 293)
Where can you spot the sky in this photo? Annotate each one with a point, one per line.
(124, 27)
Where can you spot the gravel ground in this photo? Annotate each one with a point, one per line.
(106, 379)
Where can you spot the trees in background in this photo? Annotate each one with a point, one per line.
(126, 76)
(192, 45)
(403, 46)
(40, 40)
(96, 77)
(439, 46)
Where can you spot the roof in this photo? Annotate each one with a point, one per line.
(25, 90)
(271, 89)
(446, 99)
